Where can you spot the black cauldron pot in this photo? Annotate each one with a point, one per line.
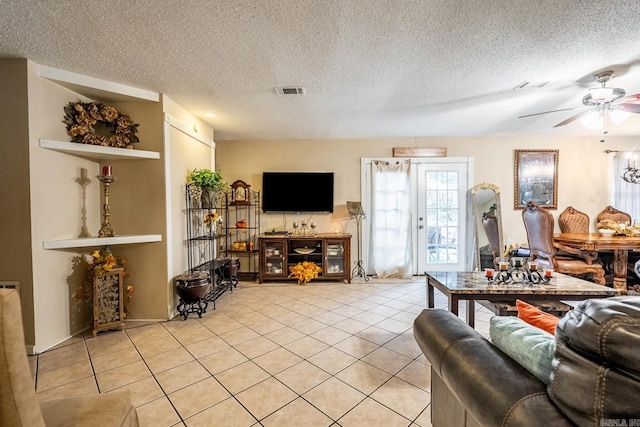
(193, 286)
(231, 269)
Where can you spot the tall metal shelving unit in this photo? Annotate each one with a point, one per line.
(205, 232)
(242, 238)
(201, 237)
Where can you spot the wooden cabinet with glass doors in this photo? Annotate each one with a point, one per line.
(273, 259)
(332, 252)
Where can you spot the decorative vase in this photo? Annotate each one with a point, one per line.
(209, 198)
(195, 194)
(193, 287)
(231, 269)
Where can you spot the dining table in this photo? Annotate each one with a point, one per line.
(619, 244)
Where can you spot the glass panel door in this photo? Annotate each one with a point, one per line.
(334, 257)
(441, 217)
(274, 254)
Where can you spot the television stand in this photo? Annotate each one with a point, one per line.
(330, 251)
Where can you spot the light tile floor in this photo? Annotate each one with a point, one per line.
(274, 354)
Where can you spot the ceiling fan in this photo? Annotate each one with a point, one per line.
(600, 105)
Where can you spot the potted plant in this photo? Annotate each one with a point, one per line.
(210, 182)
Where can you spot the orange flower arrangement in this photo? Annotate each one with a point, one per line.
(304, 271)
(102, 261)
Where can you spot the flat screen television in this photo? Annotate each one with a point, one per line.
(297, 192)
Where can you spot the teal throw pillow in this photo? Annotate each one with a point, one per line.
(531, 347)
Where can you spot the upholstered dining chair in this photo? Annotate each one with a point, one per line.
(539, 223)
(607, 257)
(490, 226)
(19, 404)
(614, 214)
(572, 220)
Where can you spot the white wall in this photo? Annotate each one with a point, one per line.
(56, 204)
(141, 203)
(582, 172)
(183, 154)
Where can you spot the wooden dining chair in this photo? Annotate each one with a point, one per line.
(614, 214)
(539, 224)
(572, 220)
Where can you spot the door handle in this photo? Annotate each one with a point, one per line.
(421, 227)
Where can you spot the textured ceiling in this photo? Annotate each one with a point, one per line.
(370, 68)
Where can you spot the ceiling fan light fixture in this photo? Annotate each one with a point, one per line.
(601, 94)
(605, 105)
(619, 116)
(594, 120)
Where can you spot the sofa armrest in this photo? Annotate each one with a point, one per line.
(493, 388)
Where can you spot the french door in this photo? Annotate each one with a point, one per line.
(441, 224)
(442, 220)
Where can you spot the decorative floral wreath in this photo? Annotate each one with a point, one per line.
(81, 117)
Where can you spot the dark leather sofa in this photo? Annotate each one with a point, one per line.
(595, 379)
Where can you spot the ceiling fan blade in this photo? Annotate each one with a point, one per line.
(551, 111)
(572, 118)
(630, 98)
(632, 108)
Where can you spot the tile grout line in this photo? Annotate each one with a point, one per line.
(212, 376)
(93, 369)
(154, 375)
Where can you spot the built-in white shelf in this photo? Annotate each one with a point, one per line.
(98, 89)
(97, 152)
(85, 242)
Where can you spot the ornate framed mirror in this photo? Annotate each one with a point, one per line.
(487, 212)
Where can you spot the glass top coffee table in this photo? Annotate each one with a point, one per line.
(473, 286)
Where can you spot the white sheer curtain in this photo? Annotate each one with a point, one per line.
(391, 248)
(624, 196)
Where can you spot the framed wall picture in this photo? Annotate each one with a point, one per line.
(536, 178)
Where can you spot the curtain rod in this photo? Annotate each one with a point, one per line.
(618, 151)
(397, 162)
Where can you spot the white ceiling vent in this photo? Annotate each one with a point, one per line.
(290, 90)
